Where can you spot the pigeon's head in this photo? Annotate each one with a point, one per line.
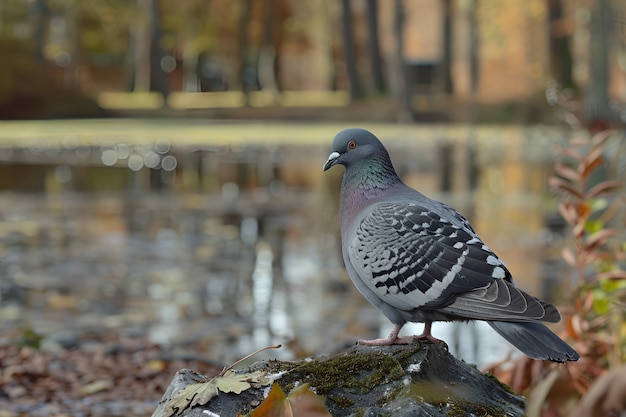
(354, 145)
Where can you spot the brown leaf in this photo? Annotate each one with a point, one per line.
(273, 405)
(306, 403)
(616, 275)
(590, 162)
(568, 212)
(599, 138)
(301, 402)
(599, 238)
(590, 256)
(559, 184)
(584, 210)
(603, 188)
(566, 172)
(571, 152)
(579, 230)
(571, 326)
(569, 257)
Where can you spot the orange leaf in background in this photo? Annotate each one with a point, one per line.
(569, 327)
(591, 161)
(584, 210)
(301, 402)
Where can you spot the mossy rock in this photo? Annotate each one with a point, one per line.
(414, 380)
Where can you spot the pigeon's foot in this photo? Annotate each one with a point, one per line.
(392, 339)
(431, 339)
(388, 341)
(427, 336)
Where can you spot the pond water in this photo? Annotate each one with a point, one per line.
(227, 233)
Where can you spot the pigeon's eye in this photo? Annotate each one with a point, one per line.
(351, 144)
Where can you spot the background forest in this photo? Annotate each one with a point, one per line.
(419, 59)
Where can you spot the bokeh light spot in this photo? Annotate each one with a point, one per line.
(109, 157)
(169, 163)
(135, 162)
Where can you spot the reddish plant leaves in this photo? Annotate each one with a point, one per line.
(560, 184)
(604, 187)
(595, 321)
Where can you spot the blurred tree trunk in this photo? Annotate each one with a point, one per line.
(70, 15)
(597, 113)
(191, 65)
(350, 57)
(446, 64)
(561, 60)
(146, 73)
(474, 47)
(158, 80)
(244, 67)
(139, 57)
(403, 94)
(191, 81)
(267, 54)
(374, 47)
(40, 13)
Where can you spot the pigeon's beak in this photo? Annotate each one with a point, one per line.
(332, 160)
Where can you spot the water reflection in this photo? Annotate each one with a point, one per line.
(235, 245)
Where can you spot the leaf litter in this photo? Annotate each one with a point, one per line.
(105, 376)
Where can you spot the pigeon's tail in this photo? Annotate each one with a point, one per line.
(535, 340)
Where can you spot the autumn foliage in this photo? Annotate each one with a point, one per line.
(590, 201)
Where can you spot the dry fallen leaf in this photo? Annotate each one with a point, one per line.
(201, 393)
(301, 402)
(97, 386)
(274, 405)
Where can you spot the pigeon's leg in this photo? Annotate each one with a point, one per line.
(392, 339)
(426, 335)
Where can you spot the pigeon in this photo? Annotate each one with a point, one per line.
(419, 260)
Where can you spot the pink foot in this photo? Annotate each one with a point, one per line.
(426, 335)
(388, 341)
(430, 338)
(393, 338)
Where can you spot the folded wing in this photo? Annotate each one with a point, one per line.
(412, 258)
